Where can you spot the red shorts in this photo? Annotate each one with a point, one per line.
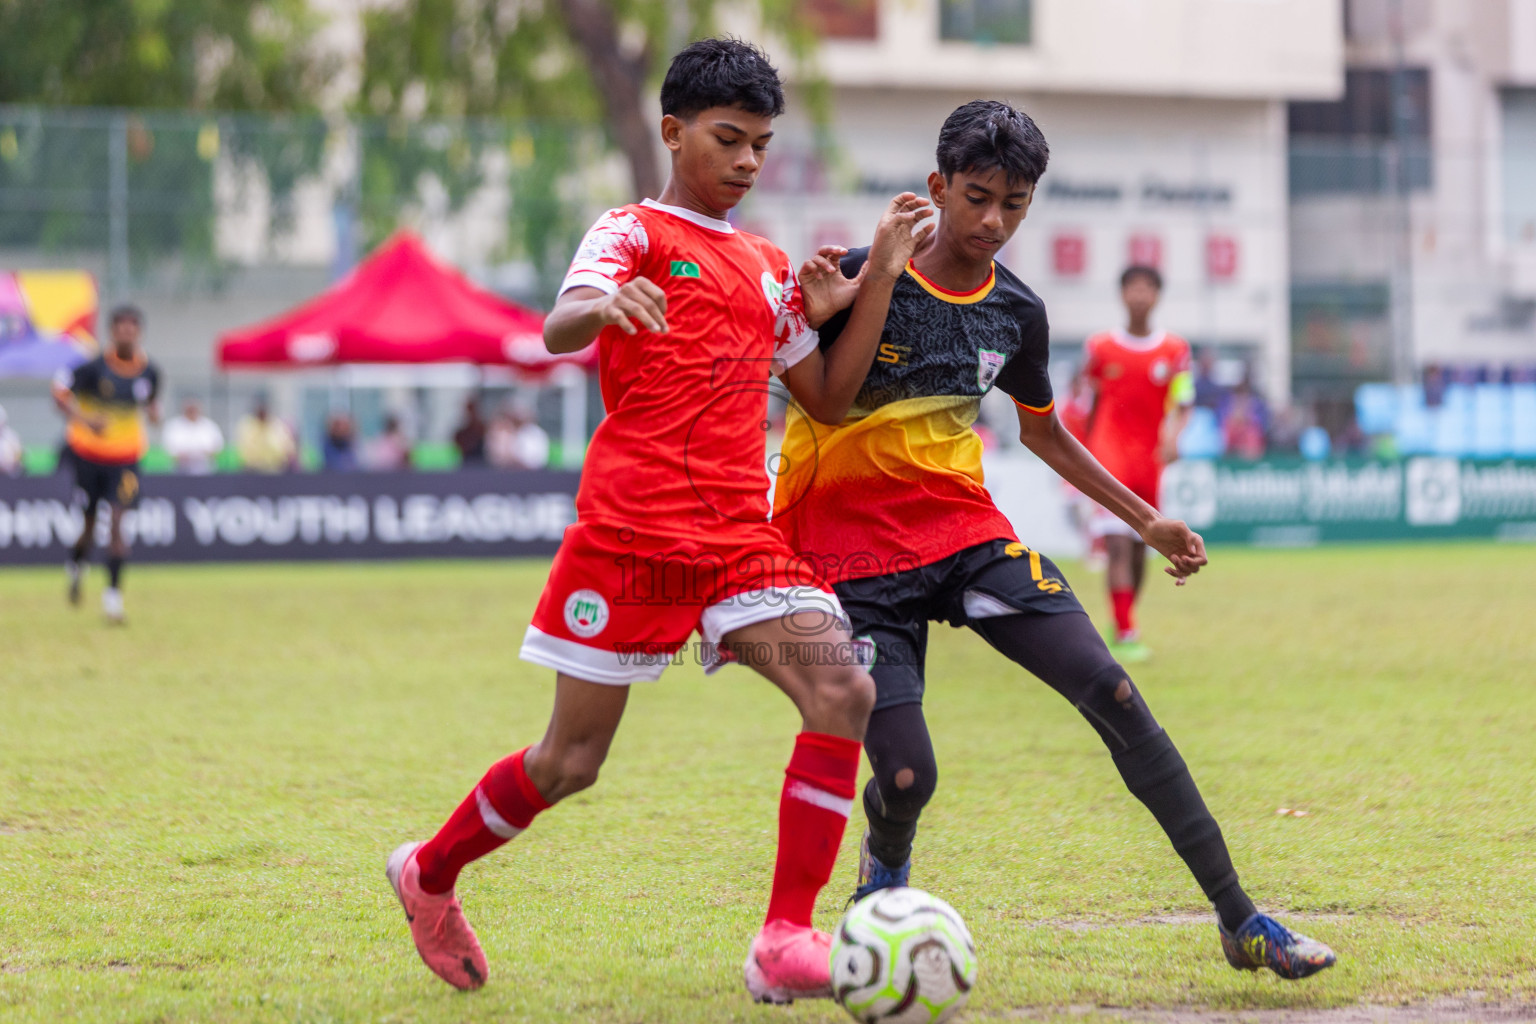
(620, 605)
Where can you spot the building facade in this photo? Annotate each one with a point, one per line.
(1168, 132)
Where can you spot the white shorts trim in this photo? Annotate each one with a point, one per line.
(591, 663)
(750, 607)
(984, 606)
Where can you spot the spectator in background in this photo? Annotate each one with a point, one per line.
(1243, 423)
(1208, 393)
(1434, 386)
(10, 448)
(263, 442)
(192, 439)
(515, 441)
(338, 452)
(1285, 431)
(391, 449)
(469, 438)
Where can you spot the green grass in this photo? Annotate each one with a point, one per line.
(195, 810)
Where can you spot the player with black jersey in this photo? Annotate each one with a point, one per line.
(105, 401)
(890, 508)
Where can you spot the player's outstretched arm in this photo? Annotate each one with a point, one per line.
(826, 383)
(580, 314)
(69, 405)
(1057, 448)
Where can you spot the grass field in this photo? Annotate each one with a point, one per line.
(195, 810)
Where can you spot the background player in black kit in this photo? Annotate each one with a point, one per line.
(105, 401)
(890, 506)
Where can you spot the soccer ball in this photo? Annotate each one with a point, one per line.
(901, 956)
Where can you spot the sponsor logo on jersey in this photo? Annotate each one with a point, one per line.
(1159, 371)
(685, 268)
(105, 387)
(989, 364)
(586, 613)
(141, 390)
(896, 355)
(772, 290)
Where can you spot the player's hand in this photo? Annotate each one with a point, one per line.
(1168, 448)
(823, 288)
(1175, 541)
(640, 301)
(895, 240)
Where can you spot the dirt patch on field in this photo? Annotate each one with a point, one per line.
(1441, 1011)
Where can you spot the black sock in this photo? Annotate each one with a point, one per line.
(114, 570)
(890, 841)
(1157, 775)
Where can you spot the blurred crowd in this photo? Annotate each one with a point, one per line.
(265, 443)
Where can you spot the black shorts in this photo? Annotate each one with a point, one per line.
(99, 481)
(999, 577)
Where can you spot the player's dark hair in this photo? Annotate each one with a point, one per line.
(1135, 270)
(721, 73)
(127, 311)
(989, 135)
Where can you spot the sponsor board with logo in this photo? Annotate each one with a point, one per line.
(252, 517)
(1296, 503)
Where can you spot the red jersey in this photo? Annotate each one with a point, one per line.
(1138, 380)
(682, 450)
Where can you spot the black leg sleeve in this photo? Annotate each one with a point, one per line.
(1155, 773)
(1067, 653)
(905, 776)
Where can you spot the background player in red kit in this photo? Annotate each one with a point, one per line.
(672, 530)
(1143, 393)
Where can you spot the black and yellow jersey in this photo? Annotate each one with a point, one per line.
(115, 391)
(898, 483)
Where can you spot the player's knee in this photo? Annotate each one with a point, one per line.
(851, 692)
(577, 769)
(906, 791)
(1114, 707)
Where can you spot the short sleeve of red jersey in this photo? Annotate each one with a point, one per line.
(609, 255)
(793, 337)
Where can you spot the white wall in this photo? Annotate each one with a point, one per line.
(1229, 48)
(1105, 152)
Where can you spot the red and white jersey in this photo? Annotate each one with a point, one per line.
(1137, 380)
(682, 450)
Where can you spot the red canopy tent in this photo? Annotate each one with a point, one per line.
(400, 305)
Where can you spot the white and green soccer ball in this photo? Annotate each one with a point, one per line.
(901, 956)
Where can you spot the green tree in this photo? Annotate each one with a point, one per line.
(163, 59)
(183, 54)
(544, 60)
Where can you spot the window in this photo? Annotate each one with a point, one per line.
(1519, 165)
(842, 19)
(1344, 146)
(985, 21)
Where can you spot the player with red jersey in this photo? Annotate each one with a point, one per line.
(672, 534)
(1143, 393)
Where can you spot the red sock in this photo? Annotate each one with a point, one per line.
(500, 807)
(813, 811)
(1123, 600)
